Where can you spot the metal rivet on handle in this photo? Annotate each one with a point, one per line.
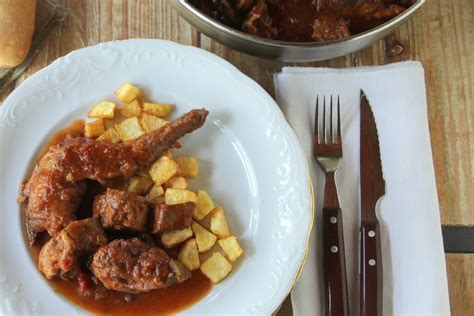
(372, 262)
(333, 249)
(371, 233)
(333, 220)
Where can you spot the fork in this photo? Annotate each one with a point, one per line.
(327, 151)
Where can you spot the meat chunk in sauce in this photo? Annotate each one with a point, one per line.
(53, 192)
(329, 27)
(258, 21)
(122, 210)
(169, 217)
(58, 257)
(135, 266)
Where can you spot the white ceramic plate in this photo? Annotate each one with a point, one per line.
(252, 164)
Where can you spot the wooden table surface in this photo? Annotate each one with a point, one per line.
(440, 35)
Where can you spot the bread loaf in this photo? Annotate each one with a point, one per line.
(17, 23)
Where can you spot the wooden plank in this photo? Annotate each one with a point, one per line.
(441, 37)
(461, 283)
(285, 309)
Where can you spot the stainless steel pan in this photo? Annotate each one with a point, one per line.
(287, 51)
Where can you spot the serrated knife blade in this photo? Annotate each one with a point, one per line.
(372, 188)
(372, 182)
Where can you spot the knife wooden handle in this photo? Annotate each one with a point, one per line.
(370, 270)
(335, 281)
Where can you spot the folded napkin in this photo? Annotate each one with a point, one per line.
(414, 267)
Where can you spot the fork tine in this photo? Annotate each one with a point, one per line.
(324, 120)
(331, 139)
(316, 120)
(338, 121)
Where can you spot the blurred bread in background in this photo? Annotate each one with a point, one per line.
(17, 23)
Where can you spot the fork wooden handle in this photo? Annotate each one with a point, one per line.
(335, 281)
(370, 270)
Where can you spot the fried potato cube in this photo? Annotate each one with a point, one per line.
(130, 109)
(219, 223)
(152, 122)
(187, 166)
(163, 169)
(129, 129)
(231, 247)
(104, 109)
(111, 123)
(177, 183)
(139, 185)
(94, 129)
(175, 237)
(176, 196)
(189, 255)
(204, 205)
(158, 109)
(216, 267)
(110, 136)
(127, 92)
(156, 194)
(204, 238)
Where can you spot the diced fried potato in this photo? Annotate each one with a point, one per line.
(129, 129)
(175, 237)
(187, 166)
(127, 92)
(130, 109)
(156, 194)
(204, 205)
(176, 196)
(139, 185)
(204, 238)
(163, 169)
(94, 129)
(189, 255)
(158, 109)
(177, 183)
(218, 223)
(111, 123)
(104, 109)
(231, 247)
(110, 136)
(216, 267)
(152, 122)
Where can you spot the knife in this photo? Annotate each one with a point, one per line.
(372, 188)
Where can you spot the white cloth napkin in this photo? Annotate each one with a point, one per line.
(414, 268)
